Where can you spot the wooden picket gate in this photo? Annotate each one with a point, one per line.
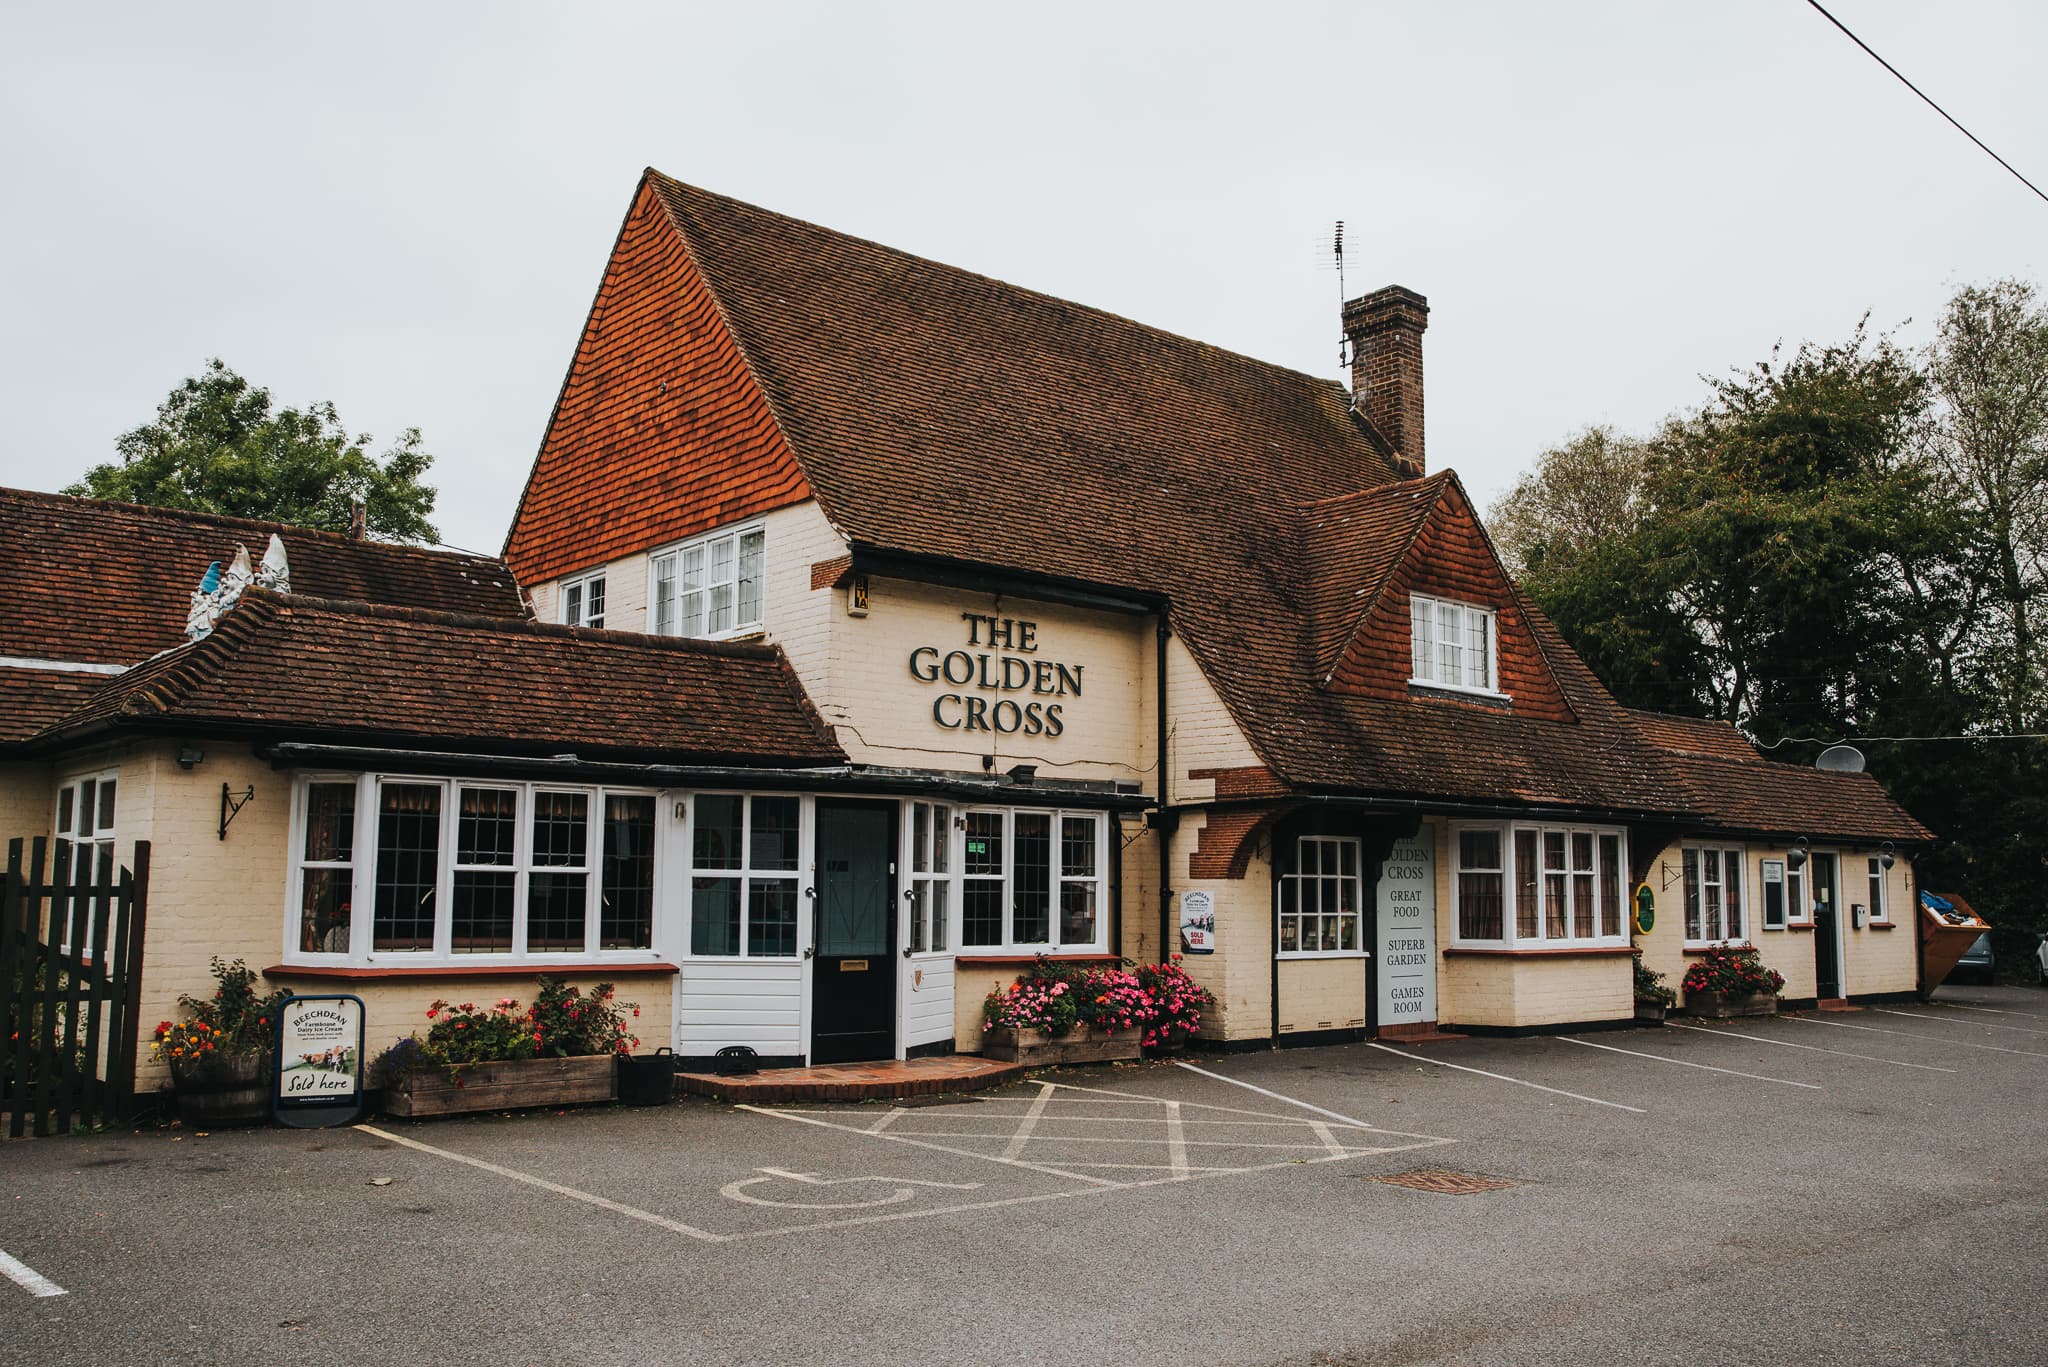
(71, 975)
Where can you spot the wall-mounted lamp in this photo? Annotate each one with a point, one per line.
(189, 756)
(1886, 856)
(1023, 773)
(1795, 858)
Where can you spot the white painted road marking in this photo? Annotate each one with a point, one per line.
(28, 1279)
(1996, 1011)
(737, 1191)
(1951, 1020)
(1814, 1048)
(1931, 1039)
(1015, 1147)
(1500, 1077)
(900, 1137)
(1686, 1063)
(602, 1203)
(1292, 1101)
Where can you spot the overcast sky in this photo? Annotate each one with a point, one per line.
(406, 208)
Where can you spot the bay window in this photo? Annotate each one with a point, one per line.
(1032, 879)
(1713, 895)
(709, 586)
(1320, 898)
(1563, 884)
(452, 870)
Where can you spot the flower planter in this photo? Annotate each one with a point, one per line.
(503, 1086)
(222, 1089)
(1726, 1005)
(1083, 1044)
(1650, 1013)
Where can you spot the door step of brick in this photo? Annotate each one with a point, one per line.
(1835, 1004)
(886, 1080)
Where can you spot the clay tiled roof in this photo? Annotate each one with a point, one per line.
(935, 413)
(86, 580)
(1725, 780)
(31, 699)
(287, 667)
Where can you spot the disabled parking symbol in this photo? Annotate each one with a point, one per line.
(902, 1189)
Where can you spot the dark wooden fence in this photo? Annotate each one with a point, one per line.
(71, 972)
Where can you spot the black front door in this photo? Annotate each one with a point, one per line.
(1827, 929)
(853, 982)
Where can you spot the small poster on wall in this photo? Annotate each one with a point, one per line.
(319, 1061)
(1197, 923)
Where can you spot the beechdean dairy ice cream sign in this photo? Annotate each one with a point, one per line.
(320, 1060)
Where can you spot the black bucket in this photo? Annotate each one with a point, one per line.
(648, 1080)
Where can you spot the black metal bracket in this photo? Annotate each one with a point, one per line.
(230, 805)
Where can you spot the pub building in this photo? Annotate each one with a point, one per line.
(880, 627)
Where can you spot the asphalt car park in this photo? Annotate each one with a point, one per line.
(1835, 1187)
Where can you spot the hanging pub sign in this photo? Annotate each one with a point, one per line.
(319, 1061)
(1197, 923)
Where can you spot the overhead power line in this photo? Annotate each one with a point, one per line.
(1930, 103)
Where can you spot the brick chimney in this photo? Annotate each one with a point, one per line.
(1385, 332)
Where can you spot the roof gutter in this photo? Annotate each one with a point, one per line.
(837, 777)
(984, 578)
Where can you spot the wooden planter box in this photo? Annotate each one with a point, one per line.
(502, 1086)
(1722, 1006)
(1650, 1013)
(1080, 1045)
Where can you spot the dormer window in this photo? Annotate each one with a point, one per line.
(1453, 645)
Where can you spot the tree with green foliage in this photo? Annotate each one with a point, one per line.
(216, 446)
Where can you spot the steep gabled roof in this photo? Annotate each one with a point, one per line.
(1352, 543)
(86, 580)
(285, 667)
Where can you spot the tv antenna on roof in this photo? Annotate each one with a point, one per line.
(1337, 250)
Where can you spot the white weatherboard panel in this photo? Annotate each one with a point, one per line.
(751, 1002)
(927, 1001)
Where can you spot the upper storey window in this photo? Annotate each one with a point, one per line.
(583, 600)
(710, 586)
(1452, 645)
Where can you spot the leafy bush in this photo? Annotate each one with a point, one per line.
(234, 1020)
(563, 1022)
(1731, 970)
(1650, 986)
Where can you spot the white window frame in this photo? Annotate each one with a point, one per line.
(1293, 887)
(84, 829)
(362, 883)
(1056, 880)
(1510, 873)
(1691, 858)
(669, 566)
(577, 590)
(932, 893)
(745, 871)
(1880, 904)
(1765, 882)
(1427, 666)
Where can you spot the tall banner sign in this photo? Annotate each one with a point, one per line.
(319, 1062)
(1407, 932)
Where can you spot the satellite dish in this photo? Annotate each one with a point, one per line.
(1840, 759)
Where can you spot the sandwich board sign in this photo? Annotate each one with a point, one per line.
(319, 1062)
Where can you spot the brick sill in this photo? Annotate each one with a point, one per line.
(1580, 952)
(1743, 948)
(1880, 925)
(358, 973)
(1005, 960)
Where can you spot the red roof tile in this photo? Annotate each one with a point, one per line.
(286, 667)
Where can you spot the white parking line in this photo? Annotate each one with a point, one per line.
(902, 1137)
(1814, 1048)
(1029, 1122)
(1931, 1039)
(1497, 1077)
(1686, 1063)
(601, 1202)
(1951, 1020)
(1997, 1011)
(27, 1278)
(1177, 1140)
(1292, 1101)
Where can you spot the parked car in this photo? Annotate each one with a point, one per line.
(1977, 965)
